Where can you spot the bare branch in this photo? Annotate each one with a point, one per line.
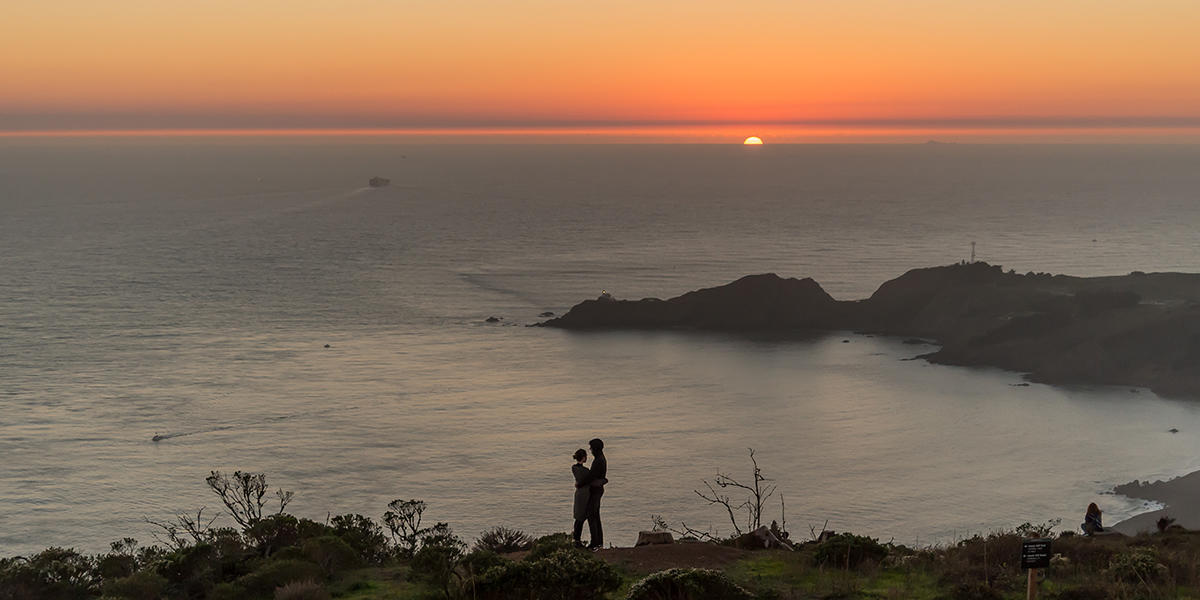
(717, 498)
(660, 524)
(175, 533)
(242, 493)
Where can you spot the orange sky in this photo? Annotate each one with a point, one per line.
(166, 64)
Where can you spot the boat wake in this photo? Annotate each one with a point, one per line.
(162, 437)
(486, 281)
(158, 437)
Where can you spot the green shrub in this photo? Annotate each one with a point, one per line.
(503, 540)
(302, 590)
(52, 574)
(436, 563)
(364, 536)
(848, 550)
(291, 553)
(143, 585)
(308, 529)
(973, 591)
(564, 573)
(502, 580)
(278, 573)
(272, 533)
(549, 544)
(227, 591)
(477, 562)
(331, 553)
(1137, 565)
(577, 574)
(687, 584)
(192, 571)
(122, 561)
(1083, 593)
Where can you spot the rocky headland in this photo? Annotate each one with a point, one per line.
(1136, 330)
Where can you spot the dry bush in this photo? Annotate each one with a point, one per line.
(302, 590)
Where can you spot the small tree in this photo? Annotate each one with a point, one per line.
(436, 563)
(756, 492)
(403, 520)
(244, 495)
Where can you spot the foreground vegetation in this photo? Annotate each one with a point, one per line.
(275, 555)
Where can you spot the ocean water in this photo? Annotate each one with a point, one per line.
(187, 288)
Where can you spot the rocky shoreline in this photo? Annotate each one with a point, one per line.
(1178, 497)
(1137, 330)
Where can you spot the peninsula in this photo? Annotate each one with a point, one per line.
(1136, 330)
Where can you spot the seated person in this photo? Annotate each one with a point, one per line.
(1091, 521)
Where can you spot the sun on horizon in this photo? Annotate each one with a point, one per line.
(753, 141)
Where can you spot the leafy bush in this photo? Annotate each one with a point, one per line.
(983, 558)
(572, 574)
(278, 573)
(364, 536)
(143, 585)
(51, 574)
(477, 562)
(331, 553)
(564, 573)
(973, 591)
(302, 590)
(549, 544)
(192, 571)
(121, 562)
(1083, 593)
(274, 532)
(308, 529)
(227, 591)
(849, 550)
(503, 540)
(687, 584)
(1137, 565)
(436, 563)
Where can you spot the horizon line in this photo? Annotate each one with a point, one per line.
(711, 133)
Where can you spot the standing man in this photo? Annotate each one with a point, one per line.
(596, 478)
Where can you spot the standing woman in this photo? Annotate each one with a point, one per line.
(582, 493)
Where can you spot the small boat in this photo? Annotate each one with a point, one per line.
(378, 182)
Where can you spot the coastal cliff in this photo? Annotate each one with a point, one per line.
(1140, 330)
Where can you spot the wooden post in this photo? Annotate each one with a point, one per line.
(1031, 589)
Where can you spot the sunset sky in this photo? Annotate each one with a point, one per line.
(522, 64)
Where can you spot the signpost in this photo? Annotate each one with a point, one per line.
(1035, 554)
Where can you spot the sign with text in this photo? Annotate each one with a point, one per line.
(1035, 554)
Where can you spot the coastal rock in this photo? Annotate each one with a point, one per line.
(754, 302)
(1135, 330)
(648, 538)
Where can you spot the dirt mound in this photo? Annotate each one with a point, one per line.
(649, 559)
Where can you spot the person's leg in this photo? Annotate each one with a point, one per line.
(578, 529)
(594, 527)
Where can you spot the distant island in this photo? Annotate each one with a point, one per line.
(1135, 330)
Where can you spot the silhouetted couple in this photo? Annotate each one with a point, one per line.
(589, 487)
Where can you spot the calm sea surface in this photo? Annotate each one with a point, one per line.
(188, 288)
